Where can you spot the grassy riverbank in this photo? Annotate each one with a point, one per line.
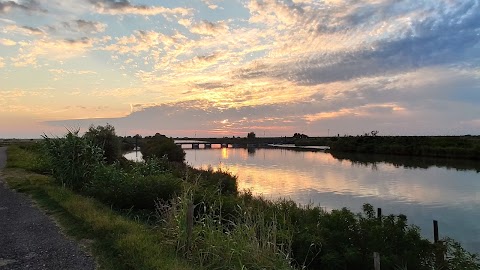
(459, 147)
(116, 241)
(198, 218)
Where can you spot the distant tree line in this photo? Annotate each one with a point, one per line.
(466, 147)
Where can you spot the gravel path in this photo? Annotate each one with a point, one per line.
(29, 239)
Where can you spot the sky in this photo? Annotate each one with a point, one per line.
(227, 67)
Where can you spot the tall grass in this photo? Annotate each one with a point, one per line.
(73, 159)
(29, 156)
(250, 241)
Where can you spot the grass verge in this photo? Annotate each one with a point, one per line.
(114, 240)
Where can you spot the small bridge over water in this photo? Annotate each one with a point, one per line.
(228, 143)
(196, 144)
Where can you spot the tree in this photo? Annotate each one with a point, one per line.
(300, 136)
(159, 146)
(105, 138)
(251, 135)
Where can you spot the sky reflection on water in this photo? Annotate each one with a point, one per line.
(423, 189)
(448, 195)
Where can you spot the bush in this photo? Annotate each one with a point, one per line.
(114, 186)
(73, 159)
(105, 138)
(160, 146)
(218, 181)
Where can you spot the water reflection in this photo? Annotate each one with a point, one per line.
(134, 155)
(410, 162)
(423, 189)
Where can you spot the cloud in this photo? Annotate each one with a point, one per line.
(269, 11)
(85, 26)
(353, 40)
(302, 65)
(59, 73)
(123, 7)
(201, 62)
(185, 22)
(52, 50)
(2, 63)
(23, 30)
(185, 117)
(363, 111)
(26, 5)
(209, 28)
(210, 4)
(7, 42)
(141, 41)
(388, 109)
(213, 85)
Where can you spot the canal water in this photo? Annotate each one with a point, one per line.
(423, 189)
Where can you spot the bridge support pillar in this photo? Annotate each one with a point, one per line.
(195, 146)
(208, 145)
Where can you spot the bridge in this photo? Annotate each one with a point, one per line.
(196, 144)
(242, 143)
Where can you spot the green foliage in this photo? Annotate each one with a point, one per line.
(105, 138)
(457, 257)
(247, 242)
(160, 146)
(77, 163)
(137, 189)
(466, 147)
(128, 143)
(300, 136)
(29, 156)
(116, 242)
(216, 180)
(73, 159)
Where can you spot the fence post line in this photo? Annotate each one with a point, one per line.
(379, 213)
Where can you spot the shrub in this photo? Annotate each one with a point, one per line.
(73, 159)
(160, 146)
(114, 186)
(221, 181)
(105, 138)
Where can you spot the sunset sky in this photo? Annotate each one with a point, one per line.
(228, 67)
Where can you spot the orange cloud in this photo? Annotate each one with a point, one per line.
(7, 42)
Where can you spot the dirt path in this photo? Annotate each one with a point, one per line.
(29, 239)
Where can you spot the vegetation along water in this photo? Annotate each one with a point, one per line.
(206, 220)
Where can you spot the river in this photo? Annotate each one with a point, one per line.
(421, 188)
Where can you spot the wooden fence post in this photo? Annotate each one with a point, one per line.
(435, 231)
(379, 213)
(440, 248)
(376, 260)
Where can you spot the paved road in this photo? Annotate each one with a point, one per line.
(29, 239)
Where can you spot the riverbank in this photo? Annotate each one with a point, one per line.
(210, 224)
(116, 241)
(457, 147)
